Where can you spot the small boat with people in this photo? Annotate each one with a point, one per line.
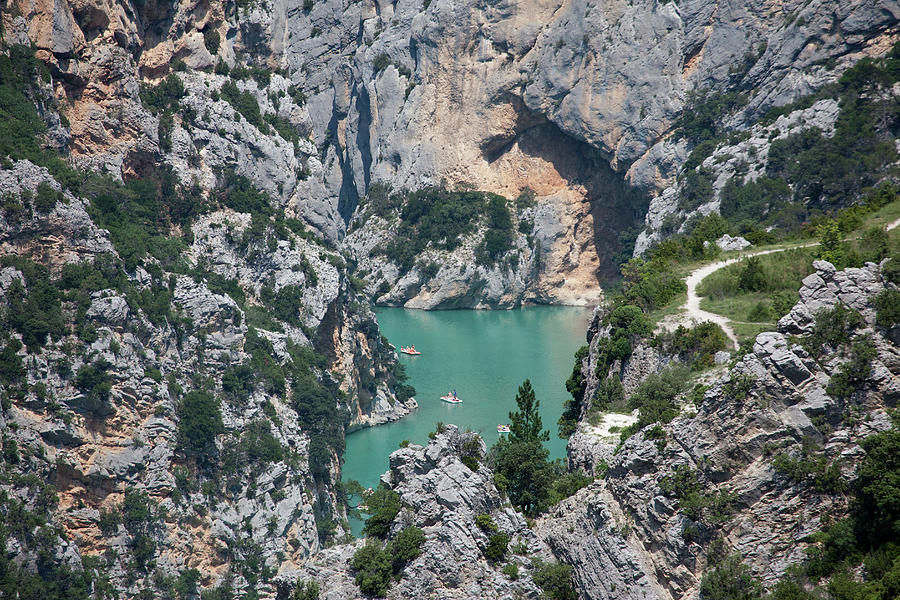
(502, 428)
(411, 350)
(451, 397)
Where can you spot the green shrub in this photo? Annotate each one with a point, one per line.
(832, 328)
(696, 189)
(655, 397)
(381, 62)
(650, 285)
(711, 508)
(237, 381)
(165, 96)
(698, 344)
(887, 305)
(610, 395)
(245, 103)
(262, 446)
(760, 313)
(384, 505)
(575, 386)
(306, 590)
(286, 303)
(375, 565)
(752, 277)
(511, 570)
(499, 237)
(199, 422)
(11, 370)
(37, 313)
(852, 375)
(498, 544)
(567, 485)
(46, 198)
(627, 325)
(730, 579)
(486, 523)
(405, 547)
(471, 462)
(373, 569)
(783, 302)
(812, 466)
(211, 40)
(95, 382)
(555, 579)
(764, 201)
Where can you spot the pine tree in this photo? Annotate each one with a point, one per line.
(526, 424)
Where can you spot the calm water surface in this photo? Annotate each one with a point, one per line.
(485, 355)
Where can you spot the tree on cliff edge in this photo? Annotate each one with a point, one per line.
(520, 463)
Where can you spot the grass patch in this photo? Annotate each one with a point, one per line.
(781, 271)
(736, 308)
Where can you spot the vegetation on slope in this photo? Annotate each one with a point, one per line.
(437, 217)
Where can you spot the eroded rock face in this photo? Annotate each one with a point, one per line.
(96, 409)
(573, 102)
(442, 496)
(631, 540)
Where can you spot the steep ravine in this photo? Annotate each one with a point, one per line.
(182, 355)
(629, 534)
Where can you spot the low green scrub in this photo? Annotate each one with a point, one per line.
(245, 103)
(609, 396)
(199, 422)
(498, 239)
(384, 506)
(696, 189)
(436, 217)
(763, 202)
(858, 556)
(35, 313)
(695, 346)
(694, 501)
(165, 96)
(21, 127)
(375, 565)
(887, 306)
(554, 579)
(575, 385)
(768, 274)
(141, 213)
(730, 579)
(628, 324)
(852, 375)
(95, 383)
(656, 397)
(833, 327)
(812, 466)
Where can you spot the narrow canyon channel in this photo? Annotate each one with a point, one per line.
(484, 355)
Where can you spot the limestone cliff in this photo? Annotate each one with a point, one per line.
(573, 101)
(634, 539)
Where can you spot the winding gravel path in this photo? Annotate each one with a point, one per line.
(692, 309)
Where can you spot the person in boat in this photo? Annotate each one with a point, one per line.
(454, 394)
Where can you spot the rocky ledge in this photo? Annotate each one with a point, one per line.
(443, 496)
(627, 536)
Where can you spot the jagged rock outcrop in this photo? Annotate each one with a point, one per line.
(442, 496)
(502, 97)
(746, 158)
(97, 384)
(630, 538)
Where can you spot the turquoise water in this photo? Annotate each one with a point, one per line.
(485, 355)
